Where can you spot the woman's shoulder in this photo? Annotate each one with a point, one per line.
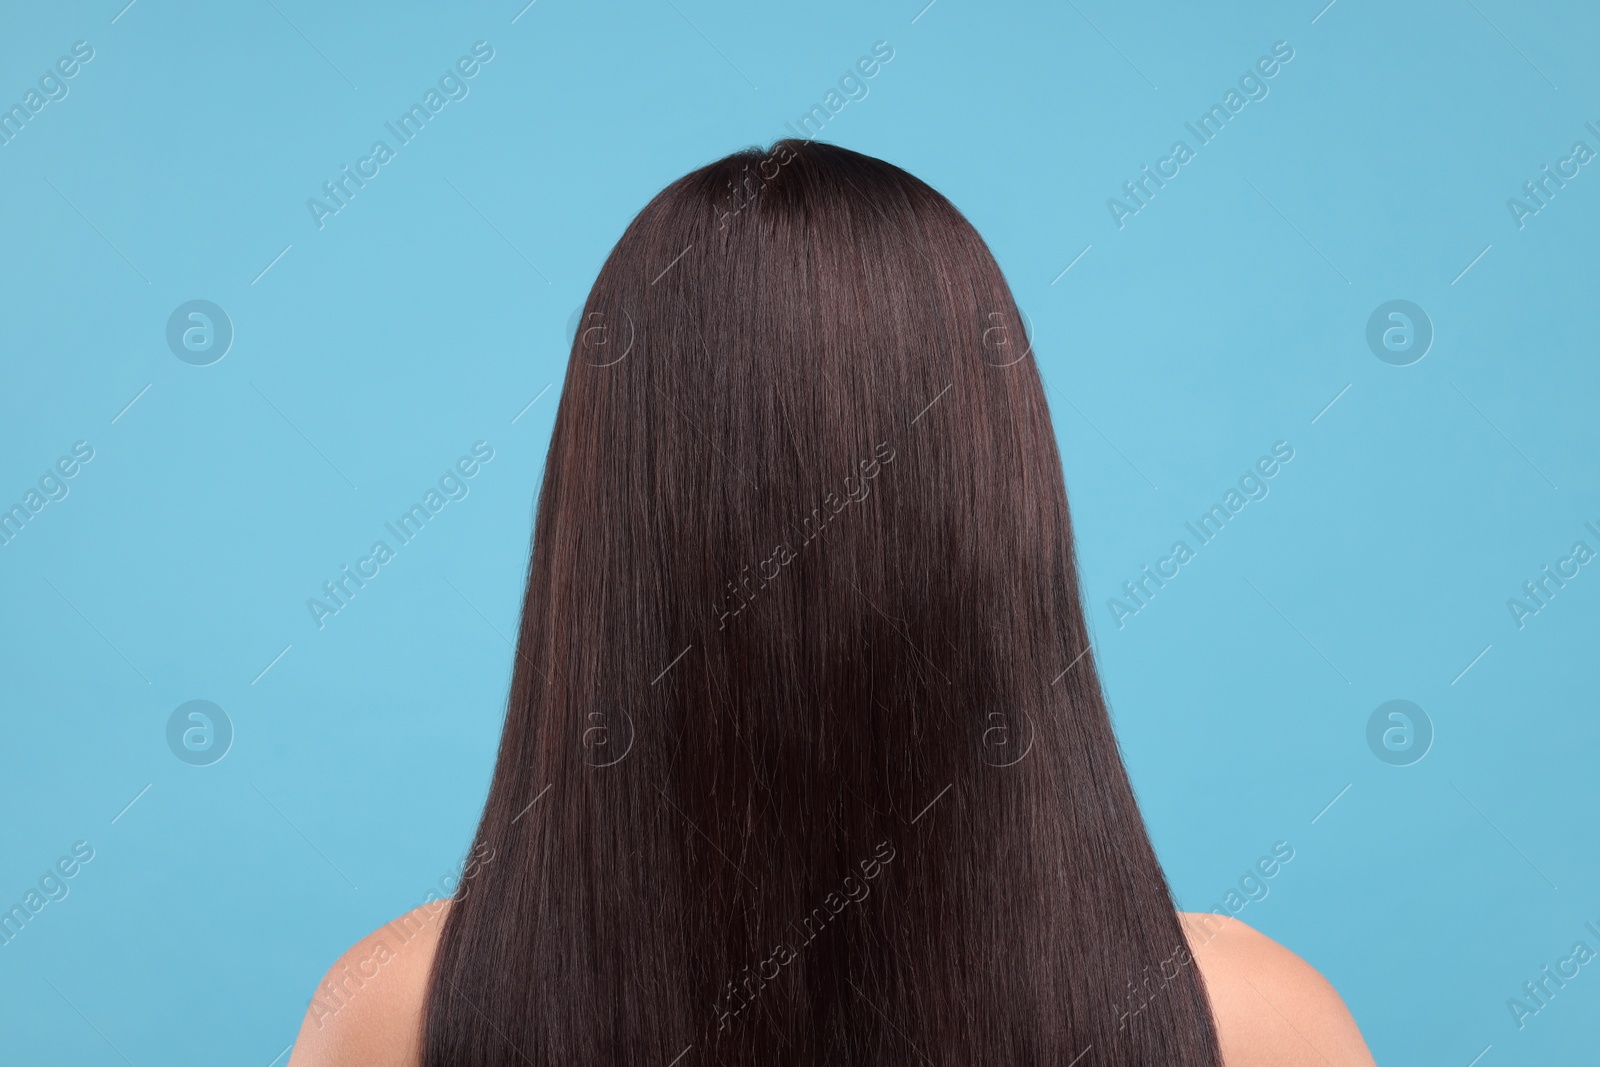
(369, 1007)
(1271, 1006)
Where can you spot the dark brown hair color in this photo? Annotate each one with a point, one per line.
(805, 758)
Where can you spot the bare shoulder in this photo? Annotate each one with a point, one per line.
(1271, 1006)
(368, 1009)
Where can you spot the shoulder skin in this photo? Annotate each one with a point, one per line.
(368, 1009)
(1272, 1008)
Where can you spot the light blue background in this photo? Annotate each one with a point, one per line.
(1223, 317)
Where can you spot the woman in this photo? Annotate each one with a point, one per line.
(806, 759)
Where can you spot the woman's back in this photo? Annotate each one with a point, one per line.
(806, 758)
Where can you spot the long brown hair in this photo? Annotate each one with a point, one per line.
(806, 760)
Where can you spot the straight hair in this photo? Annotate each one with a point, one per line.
(805, 758)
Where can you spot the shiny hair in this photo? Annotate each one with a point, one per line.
(805, 758)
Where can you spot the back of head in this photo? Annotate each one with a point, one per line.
(806, 759)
